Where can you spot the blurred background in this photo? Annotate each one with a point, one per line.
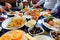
(13, 2)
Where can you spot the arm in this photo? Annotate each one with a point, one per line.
(2, 9)
(55, 10)
(39, 3)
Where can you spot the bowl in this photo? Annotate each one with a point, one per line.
(35, 31)
(55, 35)
(2, 19)
(12, 13)
(30, 23)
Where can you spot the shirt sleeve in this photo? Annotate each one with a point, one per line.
(55, 9)
(41, 2)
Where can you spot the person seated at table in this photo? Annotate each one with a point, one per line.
(7, 6)
(56, 11)
(49, 5)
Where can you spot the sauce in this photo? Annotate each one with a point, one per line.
(2, 18)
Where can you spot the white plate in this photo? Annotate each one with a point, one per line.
(8, 13)
(43, 37)
(5, 23)
(11, 32)
(29, 22)
(49, 26)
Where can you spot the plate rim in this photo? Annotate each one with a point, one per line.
(11, 28)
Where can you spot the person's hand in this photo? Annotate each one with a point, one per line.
(8, 5)
(2, 10)
(34, 6)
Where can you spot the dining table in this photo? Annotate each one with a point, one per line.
(39, 22)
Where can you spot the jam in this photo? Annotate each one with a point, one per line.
(2, 18)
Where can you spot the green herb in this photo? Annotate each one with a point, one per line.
(49, 18)
(41, 10)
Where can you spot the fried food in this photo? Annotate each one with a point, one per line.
(6, 37)
(46, 15)
(13, 35)
(34, 13)
(16, 22)
(17, 34)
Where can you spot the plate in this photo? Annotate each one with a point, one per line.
(7, 21)
(13, 35)
(43, 37)
(10, 35)
(55, 27)
(55, 34)
(16, 12)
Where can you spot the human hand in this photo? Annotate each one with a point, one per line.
(2, 10)
(34, 6)
(8, 5)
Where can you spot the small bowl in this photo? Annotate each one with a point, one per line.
(41, 32)
(52, 34)
(2, 19)
(10, 15)
(30, 23)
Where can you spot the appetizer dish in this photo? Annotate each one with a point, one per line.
(55, 35)
(34, 13)
(45, 14)
(13, 23)
(30, 23)
(48, 22)
(51, 22)
(57, 23)
(35, 30)
(16, 35)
